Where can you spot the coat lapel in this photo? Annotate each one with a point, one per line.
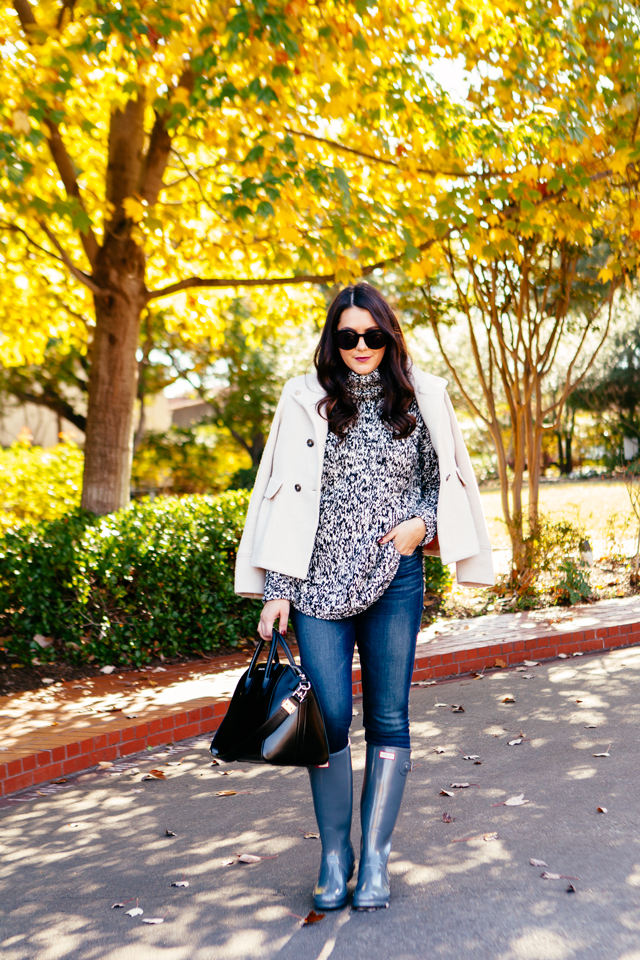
(309, 393)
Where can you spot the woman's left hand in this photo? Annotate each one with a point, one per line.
(406, 536)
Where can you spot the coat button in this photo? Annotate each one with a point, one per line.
(309, 443)
(297, 393)
(298, 488)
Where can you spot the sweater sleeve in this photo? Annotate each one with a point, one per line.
(429, 484)
(278, 586)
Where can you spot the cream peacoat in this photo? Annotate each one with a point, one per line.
(282, 518)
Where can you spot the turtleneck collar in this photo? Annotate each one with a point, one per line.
(366, 386)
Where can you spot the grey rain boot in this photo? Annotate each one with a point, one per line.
(332, 789)
(384, 779)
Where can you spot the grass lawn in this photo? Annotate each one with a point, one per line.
(602, 507)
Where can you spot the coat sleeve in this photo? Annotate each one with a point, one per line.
(472, 571)
(249, 580)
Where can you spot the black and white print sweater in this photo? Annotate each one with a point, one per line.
(370, 483)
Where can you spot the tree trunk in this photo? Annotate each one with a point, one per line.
(113, 377)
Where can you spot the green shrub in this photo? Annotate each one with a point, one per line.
(437, 576)
(573, 583)
(154, 578)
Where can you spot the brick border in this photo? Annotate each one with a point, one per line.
(190, 722)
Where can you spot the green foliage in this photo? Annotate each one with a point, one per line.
(37, 484)
(573, 583)
(186, 460)
(437, 576)
(243, 479)
(549, 543)
(154, 578)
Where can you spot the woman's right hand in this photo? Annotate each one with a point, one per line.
(273, 610)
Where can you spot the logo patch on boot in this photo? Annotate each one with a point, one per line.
(386, 755)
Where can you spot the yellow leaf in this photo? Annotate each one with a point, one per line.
(21, 122)
(620, 160)
(134, 209)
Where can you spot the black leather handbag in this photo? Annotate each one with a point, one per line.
(274, 715)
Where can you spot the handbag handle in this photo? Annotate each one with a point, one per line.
(276, 638)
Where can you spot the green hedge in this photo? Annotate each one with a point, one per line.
(154, 578)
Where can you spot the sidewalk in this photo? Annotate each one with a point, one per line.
(553, 877)
(68, 727)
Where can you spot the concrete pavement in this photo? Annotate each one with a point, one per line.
(68, 856)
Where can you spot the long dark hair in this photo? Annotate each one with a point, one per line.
(338, 406)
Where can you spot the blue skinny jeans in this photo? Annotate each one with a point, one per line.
(385, 634)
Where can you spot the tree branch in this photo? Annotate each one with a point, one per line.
(278, 281)
(67, 173)
(384, 160)
(59, 153)
(53, 402)
(75, 271)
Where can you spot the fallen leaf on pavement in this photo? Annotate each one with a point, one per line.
(447, 819)
(537, 863)
(513, 743)
(252, 858)
(461, 786)
(578, 653)
(170, 833)
(590, 726)
(61, 780)
(226, 793)
(556, 876)
(438, 749)
(489, 836)
(227, 863)
(602, 810)
(180, 883)
(528, 676)
(174, 763)
(153, 919)
(508, 699)
(135, 912)
(131, 716)
(500, 663)
(105, 764)
(531, 663)
(442, 704)
(311, 836)
(579, 701)
(605, 753)
(471, 756)
(312, 917)
(520, 669)
(516, 801)
(446, 793)
(155, 775)
(457, 708)
(562, 656)
(571, 889)
(478, 676)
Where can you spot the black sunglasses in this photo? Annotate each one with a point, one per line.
(348, 339)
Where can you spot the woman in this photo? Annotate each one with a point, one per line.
(364, 465)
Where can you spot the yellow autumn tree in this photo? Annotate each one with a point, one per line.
(150, 148)
(516, 185)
